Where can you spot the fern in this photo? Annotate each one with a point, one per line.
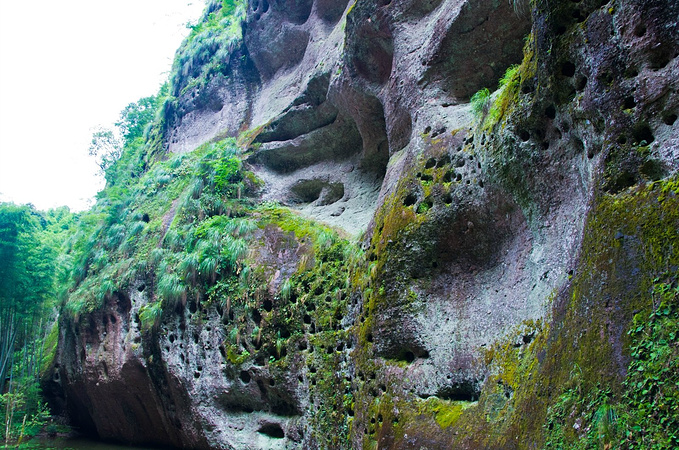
(150, 315)
(511, 72)
(286, 290)
(171, 289)
(480, 102)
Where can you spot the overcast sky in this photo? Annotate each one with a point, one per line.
(67, 67)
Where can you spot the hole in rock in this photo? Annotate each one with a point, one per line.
(427, 130)
(568, 69)
(410, 199)
(629, 103)
(145, 218)
(640, 30)
(431, 162)
(669, 118)
(659, 58)
(425, 206)
(308, 191)
(550, 112)
(141, 287)
(245, 377)
(642, 133)
(581, 83)
(631, 72)
(465, 391)
(273, 430)
(444, 160)
(606, 78)
(578, 15)
(438, 132)
(524, 135)
(267, 305)
(653, 170)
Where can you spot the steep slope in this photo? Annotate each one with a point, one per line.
(507, 244)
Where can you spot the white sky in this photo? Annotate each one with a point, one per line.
(67, 67)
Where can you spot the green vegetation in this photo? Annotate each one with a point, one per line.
(479, 102)
(651, 400)
(180, 220)
(29, 273)
(206, 52)
(646, 415)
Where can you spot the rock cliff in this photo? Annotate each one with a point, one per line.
(494, 248)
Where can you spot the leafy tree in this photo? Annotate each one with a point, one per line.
(29, 242)
(118, 151)
(106, 148)
(136, 117)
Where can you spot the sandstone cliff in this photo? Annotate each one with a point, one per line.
(490, 256)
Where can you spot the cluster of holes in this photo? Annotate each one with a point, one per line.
(259, 8)
(458, 162)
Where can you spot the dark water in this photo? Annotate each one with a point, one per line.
(75, 444)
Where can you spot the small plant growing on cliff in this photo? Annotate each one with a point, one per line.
(171, 289)
(480, 102)
(149, 315)
(286, 290)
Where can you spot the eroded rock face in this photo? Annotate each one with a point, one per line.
(344, 92)
(358, 116)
